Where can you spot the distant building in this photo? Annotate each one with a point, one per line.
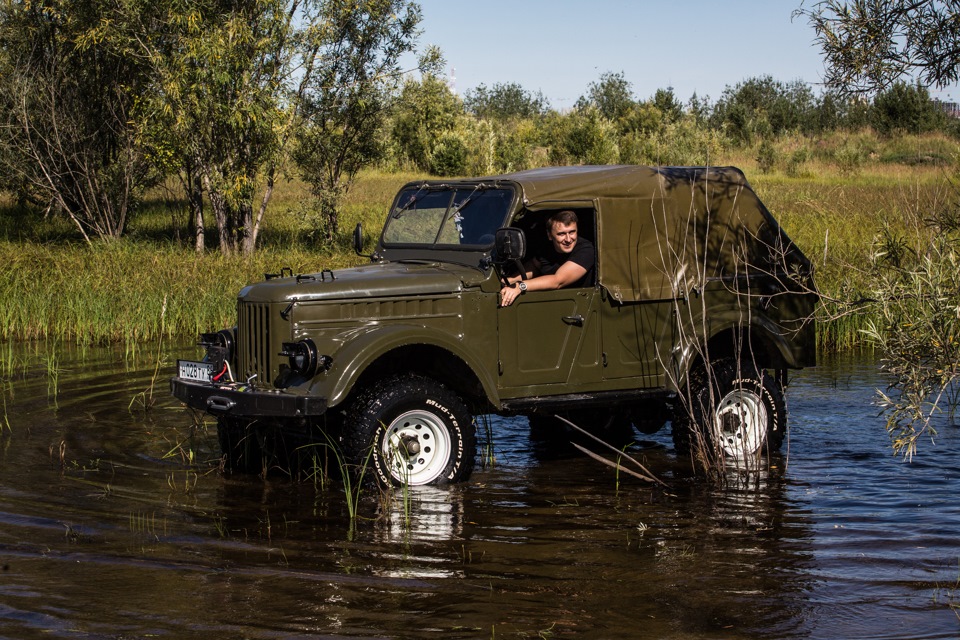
(952, 109)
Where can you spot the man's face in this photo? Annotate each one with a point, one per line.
(563, 236)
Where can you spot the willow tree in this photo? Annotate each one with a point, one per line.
(238, 81)
(868, 45)
(220, 110)
(348, 94)
(69, 83)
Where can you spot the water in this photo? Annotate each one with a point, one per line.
(115, 522)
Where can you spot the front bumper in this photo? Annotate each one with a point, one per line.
(241, 400)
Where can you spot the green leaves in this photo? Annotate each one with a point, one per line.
(867, 45)
(917, 293)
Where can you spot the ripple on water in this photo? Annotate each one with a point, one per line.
(116, 522)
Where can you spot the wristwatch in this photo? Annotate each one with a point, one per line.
(522, 286)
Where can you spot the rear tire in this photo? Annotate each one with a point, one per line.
(737, 412)
(411, 430)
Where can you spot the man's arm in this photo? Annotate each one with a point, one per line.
(568, 273)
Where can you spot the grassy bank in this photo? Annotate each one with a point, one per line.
(147, 285)
(152, 283)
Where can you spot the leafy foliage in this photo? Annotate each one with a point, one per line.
(426, 110)
(761, 107)
(905, 108)
(69, 84)
(347, 98)
(868, 45)
(216, 104)
(611, 95)
(503, 101)
(917, 295)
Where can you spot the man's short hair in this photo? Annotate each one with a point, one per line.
(563, 217)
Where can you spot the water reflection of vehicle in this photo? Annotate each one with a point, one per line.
(416, 528)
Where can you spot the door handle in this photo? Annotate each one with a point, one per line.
(576, 321)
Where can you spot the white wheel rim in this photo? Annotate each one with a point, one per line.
(740, 424)
(416, 448)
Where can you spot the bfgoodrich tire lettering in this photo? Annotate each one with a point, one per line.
(738, 411)
(410, 429)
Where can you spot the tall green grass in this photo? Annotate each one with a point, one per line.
(116, 291)
(146, 286)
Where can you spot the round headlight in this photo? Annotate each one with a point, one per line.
(225, 338)
(219, 345)
(303, 357)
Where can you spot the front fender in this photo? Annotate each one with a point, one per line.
(372, 343)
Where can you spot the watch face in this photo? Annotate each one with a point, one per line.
(522, 285)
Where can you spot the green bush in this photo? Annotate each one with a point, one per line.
(766, 157)
(449, 157)
(849, 158)
(683, 142)
(797, 163)
(905, 108)
(591, 138)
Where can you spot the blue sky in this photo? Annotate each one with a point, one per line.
(559, 47)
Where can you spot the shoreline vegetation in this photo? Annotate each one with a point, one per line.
(153, 285)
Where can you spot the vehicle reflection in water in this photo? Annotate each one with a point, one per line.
(413, 522)
(115, 521)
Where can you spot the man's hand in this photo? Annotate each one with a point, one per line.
(508, 294)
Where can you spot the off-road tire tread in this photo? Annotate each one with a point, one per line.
(378, 404)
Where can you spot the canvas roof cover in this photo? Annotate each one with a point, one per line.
(663, 231)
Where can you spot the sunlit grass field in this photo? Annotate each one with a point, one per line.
(152, 283)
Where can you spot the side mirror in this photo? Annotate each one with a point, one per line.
(511, 245)
(358, 240)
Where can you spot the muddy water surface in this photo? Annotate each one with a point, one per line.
(115, 522)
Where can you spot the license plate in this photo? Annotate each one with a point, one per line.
(196, 371)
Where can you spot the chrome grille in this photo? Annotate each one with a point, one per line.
(253, 342)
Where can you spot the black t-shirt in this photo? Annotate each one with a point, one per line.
(583, 254)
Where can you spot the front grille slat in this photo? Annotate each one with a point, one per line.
(253, 329)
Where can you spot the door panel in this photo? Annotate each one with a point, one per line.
(548, 336)
(637, 338)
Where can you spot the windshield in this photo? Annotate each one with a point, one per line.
(462, 217)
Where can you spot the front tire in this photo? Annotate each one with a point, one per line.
(411, 430)
(738, 412)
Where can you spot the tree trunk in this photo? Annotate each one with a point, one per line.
(246, 241)
(196, 207)
(194, 188)
(222, 215)
(255, 230)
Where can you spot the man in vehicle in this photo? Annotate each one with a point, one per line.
(568, 262)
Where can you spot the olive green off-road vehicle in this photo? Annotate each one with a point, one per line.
(701, 303)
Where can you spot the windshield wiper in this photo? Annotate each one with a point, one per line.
(463, 205)
(454, 212)
(412, 201)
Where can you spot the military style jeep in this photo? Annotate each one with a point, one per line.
(700, 305)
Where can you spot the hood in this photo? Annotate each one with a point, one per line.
(371, 281)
